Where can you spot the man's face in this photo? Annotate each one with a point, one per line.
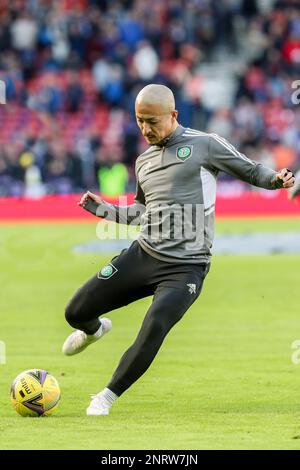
(154, 122)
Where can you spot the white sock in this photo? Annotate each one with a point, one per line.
(97, 333)
(109, 396)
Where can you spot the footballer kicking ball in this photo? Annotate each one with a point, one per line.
(35, 393)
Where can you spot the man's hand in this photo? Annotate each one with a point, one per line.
(88, 196)
(286, 178)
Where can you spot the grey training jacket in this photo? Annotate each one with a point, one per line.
(176, 193)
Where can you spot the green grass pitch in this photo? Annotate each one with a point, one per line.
(222, 380)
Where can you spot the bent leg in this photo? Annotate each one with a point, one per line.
(100, 295)
(170, 302)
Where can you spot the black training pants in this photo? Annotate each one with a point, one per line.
(130, 276)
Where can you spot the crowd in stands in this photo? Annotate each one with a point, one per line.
(72, 70)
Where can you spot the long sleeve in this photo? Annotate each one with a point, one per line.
(225, 157)
(127, 215)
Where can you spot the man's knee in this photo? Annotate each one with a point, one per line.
(162, 316)
(72, 314)
(156, 328)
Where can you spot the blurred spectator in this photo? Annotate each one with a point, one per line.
(291, 49)
(24, 32)
(74, 93)
(221, 123)
(131, 136)
(62, 171)
(5, 34)
(113, 92)
(284, 156)
(72, 70)
(49, 97)
(145, 61)
(12, 171)
(112, 174)
(131, 29)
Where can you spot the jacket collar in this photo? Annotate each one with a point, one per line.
(169, 140)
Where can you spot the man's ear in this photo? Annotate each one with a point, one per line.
(175, 114)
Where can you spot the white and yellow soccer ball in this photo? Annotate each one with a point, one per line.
(35, 393)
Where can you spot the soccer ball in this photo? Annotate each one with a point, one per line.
(35, 393)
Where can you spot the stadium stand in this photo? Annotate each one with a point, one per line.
(72, 70)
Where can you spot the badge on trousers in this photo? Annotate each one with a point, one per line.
(107, 271)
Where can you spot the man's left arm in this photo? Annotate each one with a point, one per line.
(225, 157)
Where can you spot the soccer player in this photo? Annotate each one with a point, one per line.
(294, 191)
(175, 205)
